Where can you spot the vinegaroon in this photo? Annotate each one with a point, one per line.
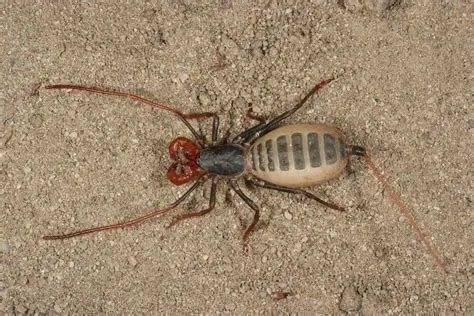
(268, 155)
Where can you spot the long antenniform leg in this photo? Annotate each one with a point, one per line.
(183, 117)
(212, 204)
(271, 186)
(250, 134)
(233, 185)
(405, 212)
(129, 222)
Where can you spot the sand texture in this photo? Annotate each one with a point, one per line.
(72, 160)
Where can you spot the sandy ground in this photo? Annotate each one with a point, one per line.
(71, 160)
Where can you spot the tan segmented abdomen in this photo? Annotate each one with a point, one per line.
(298, 155)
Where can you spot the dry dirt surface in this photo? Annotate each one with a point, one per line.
(71, 160)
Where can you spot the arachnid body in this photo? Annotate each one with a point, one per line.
(268, 155)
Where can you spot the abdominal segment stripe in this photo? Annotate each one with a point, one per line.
(297, 152)
(313, 148)
(298, 155)
(342, 150)
(269, 147)
(282, 149)
(330, 149)
(261, 157)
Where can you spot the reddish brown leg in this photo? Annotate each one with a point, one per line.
(271, 186)
(212, 204)
(197, 116)
(129, 222)
(215, 122)
(181, 116)
(249, 135)
(253, 206)
(254, 116)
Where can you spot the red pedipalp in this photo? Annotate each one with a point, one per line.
(189, 149)
(189, 171)
(184, 152)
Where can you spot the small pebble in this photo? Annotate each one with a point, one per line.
(183, 77)
(23, 281)
(3, 295)
(132, 261)
(282, 285)
(379, 6)
(20, 309)
(240, 102)
(4, 246)
(288, 215)
(379, 253)
(57, 308)
(431, 100)
(36, 120)
(273, 52)
(350, 300)
(297, 247)
(204, 98)
(73, 135)
(227, 260)
(376, 6)
(230, 306)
